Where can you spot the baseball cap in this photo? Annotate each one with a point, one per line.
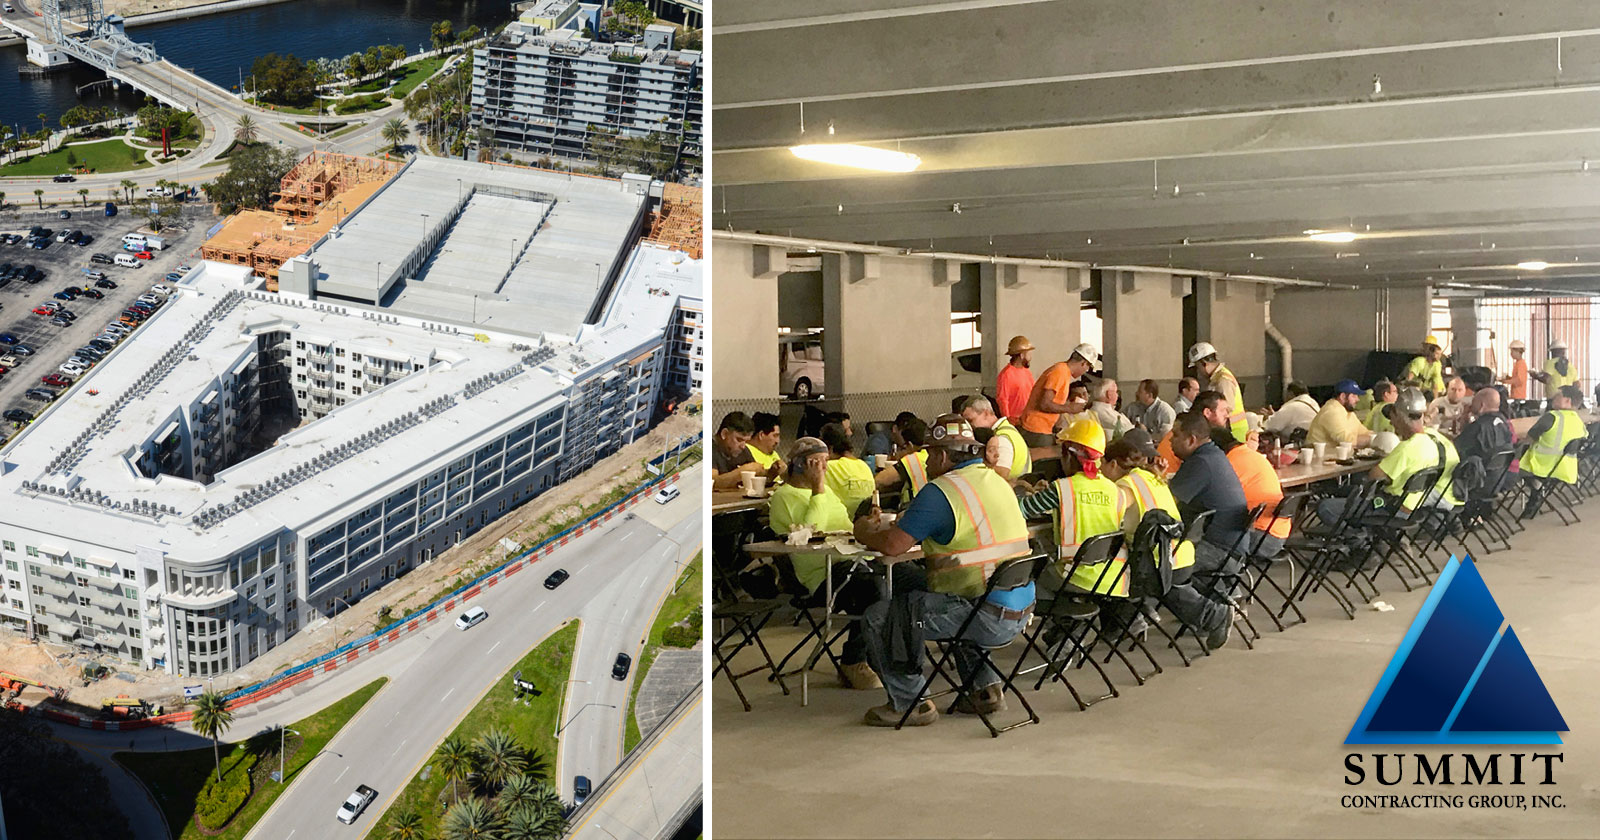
(1347, 386)
(951, 430)
(1141, 441)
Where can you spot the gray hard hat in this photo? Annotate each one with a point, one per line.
(1410, 401)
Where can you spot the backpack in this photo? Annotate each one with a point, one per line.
(1468, 477)
(1156, 538)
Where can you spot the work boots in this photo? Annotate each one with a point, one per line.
(986, 700)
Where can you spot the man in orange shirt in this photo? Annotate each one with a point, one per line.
(1518, 379)
(1049, 398)
(1261, 486)
(1015, 382)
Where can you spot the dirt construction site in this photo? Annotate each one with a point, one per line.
(62, 668)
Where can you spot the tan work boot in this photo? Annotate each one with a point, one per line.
(989, 699)
(885, 715)
(859, 676)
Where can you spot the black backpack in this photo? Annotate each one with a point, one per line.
(1155, 540)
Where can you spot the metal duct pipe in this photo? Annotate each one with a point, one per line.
(1285, 349)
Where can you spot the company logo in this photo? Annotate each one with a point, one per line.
(1460, 676)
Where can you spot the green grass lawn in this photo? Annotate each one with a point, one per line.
(176, 778)
(101, 156)
(547, 666)
(676, 606)
(416, 73)
(310, 110)
(361, 104)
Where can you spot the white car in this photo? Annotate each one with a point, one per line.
(471, 618)
(357, 803)
(666, 494)
(73, 369)
(161, 289)
(9, 361)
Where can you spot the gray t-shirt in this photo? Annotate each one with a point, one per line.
(1156, 418)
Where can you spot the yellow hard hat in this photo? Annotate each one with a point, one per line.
(1431, 340)
(1085, 433)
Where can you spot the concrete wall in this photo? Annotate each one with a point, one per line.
(1142, 317)
(1232, 315)
(1333, 330)
(887, 324)
(1040, 303)
(744, 294)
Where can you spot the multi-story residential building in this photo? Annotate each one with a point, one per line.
(541, 87)
(248, 461)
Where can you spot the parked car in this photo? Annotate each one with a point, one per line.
(40, 394)
(84, 239)
(40, 310)
(357, 803)
(22, 349)
(471, 618)
(91, 293)
(64, 179)
(8, 338)
(164, 289)
(9, 361)
(17, 415)
(61, 322)
(64, 214)
(102, 283)
(173, 277)
(63, 235)
(144, 255)
(73, 369)
(51, 305)
(556, 578)
(55, 379)
(127, 261)
(64, 296)
(100, 259)
(619, 669)
(666, 494)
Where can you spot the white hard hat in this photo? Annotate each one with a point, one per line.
(1200, 350)
(1518, 345)
(1089, 352)
(1385, 442)
(1558, 344)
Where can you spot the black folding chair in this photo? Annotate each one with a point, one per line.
(1320, 548)
(1062, 626)
(1480, 510)
(1289, 507)
(1193, 533)
(739, 615)
(1397, 529)
(1010, 574)
(1554, 490)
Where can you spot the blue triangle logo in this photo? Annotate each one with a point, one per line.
(1461, 676)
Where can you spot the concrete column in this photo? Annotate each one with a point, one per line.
(887, 329)
(744, 294)
(1040, 303)
(1231, 314)
(1142, 312)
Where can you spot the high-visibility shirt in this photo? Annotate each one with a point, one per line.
(1056, 379)
(1261, 486)
(1547, 455)
(791, 506)
(1416, 453)
(915, 468)
(1557, 379)
(766, 461)
(1428, 375)
(989, 528)
(1225, 383)
(1144, 492)
(1088, 507)
(1377, 421)
(1519, 379)
(1021, 461)
(851, 480)
(1011, 391)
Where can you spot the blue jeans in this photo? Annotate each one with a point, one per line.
(941, 615)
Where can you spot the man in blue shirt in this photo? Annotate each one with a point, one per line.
(1206, 481)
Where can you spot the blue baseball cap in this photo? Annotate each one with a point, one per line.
(1347, 386)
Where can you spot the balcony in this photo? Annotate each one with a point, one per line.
(322, 390)
(375, 369)
(317, 356)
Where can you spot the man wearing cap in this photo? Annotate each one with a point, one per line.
(1295, 414)
(1558, 371)
(1203, 357)
(1337, 423)
(967, 521)
(1548, 457)
(1049, 398)
(1015, 382)
(1517, 380)
(1420, 449)
(1081, 504)
(1427, 370)
(1006, 451)
(1149, 411)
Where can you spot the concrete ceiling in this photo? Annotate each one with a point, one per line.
(1201, 134)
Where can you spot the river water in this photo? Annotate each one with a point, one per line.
(220, 46)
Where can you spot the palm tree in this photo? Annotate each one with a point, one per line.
(396, 131)
(39, 194)
(2, 201)
(500, 756)
(519, 792)
(455, 760)
(406, 825)
(535, 824)
(471, 819)
(211, 719)
(84, 194)
(245, 130)
(127, 187)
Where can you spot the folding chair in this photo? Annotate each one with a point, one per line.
(744, 617)
(1193, 533)
(1480, 511)
(1071, 614)
(1555, 490)
(1397, 532)
(1320, 547)
(1010, 574)
(1289, 507)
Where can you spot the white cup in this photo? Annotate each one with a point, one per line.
(1307, 455)
(755, 485)
(882, 461)
(1320, 451)
(1345, 451)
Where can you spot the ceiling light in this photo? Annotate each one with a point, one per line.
(1331, 235)
(860, 157)
(1533, 265)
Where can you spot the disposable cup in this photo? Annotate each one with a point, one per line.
(1345, 451)
(882, 461)
(755, 485)
(1321, 451)
(1307, 456)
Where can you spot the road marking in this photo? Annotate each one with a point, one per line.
(342, 772)
(290, 834)
(447, 693)
(397, 748)
(491, 648)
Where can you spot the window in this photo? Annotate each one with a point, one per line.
(355, 392)
(299, 377)
(129, 574)
(339, 351)
(37, 589)
(339, 385)
(11, 584)
(86, 621)
(299, 345)
(83, 600)
(271, 599)
(32, 551)
(9, 545)
(38, 609)
(15, 604)
(130, 593)
(82, 581)
(338, 368)
(11, 565)
(355, 357)
(299, 362)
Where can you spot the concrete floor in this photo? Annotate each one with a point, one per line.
(1243, 744)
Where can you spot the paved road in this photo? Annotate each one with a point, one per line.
(639, 804)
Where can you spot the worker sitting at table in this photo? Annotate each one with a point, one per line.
(1188, 387)
(967, 520)
(730, 452)
(1517, 379)
(1420, 449)
(1203, 357)
(1050, 399)
(1383, 393)
(804, 500)
(764, 442)
(1015, 381)
(884, 441)
(1296, 413)
(1148, 411)
(1486, 432)
(1558, 371)
(1082, 504)
(910, 471)
(1006, 452)
(1427, 370)
(1130, 463)
(1261, 487)
(1547, 457)
(1206, 481)
(1447, 412)
(1337, 423)
(1103, 395)
(848, 476)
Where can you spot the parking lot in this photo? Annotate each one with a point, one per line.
(63, 265)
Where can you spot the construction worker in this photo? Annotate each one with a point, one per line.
(967, 520)
(910, 471)
(1517, 380)
(1015, 382)
(1050, 397)
(1550, 435)
(764, 443)
(1427, 370)
(1006, 452)
(1203, 357)
(1558, 371)
(1082, 504)
(1130, 461)
(1420, 448)
(1383, 393)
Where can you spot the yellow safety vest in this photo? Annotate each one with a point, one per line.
(1236, 422)
(916, 466)
(1021, 460)
(1088, 507)
(1557, 380)
(989, 528)
(766, 461)
(1145, 493)
(1428, 375)
(1546, 458)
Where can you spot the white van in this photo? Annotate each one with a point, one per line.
(127, 261)
(800, 365)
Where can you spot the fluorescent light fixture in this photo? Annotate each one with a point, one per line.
(1533, 265)
(860, 157)
(1331, 235)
